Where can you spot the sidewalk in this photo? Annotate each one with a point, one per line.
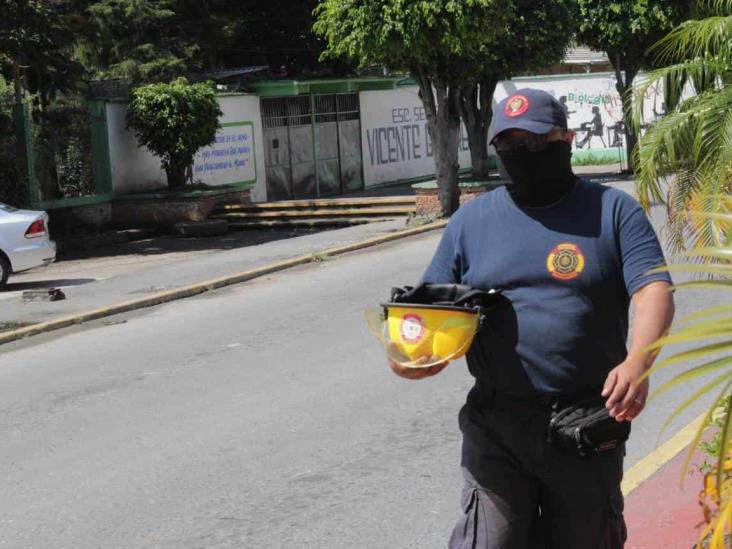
(663, 514)
(129, 271)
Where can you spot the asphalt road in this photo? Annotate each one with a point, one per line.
(261, 416)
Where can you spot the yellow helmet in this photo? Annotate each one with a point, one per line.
(430, 324)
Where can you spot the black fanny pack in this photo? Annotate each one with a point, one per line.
(585, 427)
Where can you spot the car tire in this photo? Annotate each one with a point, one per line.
(4, 270)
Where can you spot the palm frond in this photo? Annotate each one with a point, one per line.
(694, 142)
(676, 75)
(699, 393)
(726, 438)
(693, 354)
(705, 8)
(725, 270)
(706, 422)
(697, 332)
(704, 285)
(707, 37)
(705, 313)
(721, 527)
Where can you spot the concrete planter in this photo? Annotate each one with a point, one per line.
(428, 201)
(166, 209)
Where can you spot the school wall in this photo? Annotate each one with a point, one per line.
(236, 157)
(395, 145)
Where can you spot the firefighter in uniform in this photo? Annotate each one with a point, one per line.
(569, 257)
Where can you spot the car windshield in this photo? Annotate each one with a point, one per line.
(6, 208)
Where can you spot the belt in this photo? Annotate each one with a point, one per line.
(538, 402)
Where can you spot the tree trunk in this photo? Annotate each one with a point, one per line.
(443, 124)
(176, 172)
(624, 87)
(476, 111)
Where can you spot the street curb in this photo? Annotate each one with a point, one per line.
(649, 465)
(207, 285)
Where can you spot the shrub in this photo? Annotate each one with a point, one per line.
(174, 120)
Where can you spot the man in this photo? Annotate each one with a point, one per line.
(569, 256)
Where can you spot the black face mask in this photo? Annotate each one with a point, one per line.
(540, 178)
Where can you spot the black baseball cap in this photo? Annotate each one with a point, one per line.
(535, 111)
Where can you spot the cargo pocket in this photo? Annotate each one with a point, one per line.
(616, 532)
(465, 534)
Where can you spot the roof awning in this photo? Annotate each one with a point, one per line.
(585, 56)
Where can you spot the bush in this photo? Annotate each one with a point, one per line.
(174, 121)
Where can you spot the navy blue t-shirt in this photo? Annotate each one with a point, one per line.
(566, 273)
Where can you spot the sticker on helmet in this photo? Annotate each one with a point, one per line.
(412, 328)
(516, 106)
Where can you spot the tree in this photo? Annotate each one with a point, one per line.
(174, 121)
(36, 46)
(685, 159)
(538, 34)
(136, 40)
(437, 42)
(143, 41)
(625, 30)
(276, 33)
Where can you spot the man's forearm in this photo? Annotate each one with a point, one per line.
(653, 312)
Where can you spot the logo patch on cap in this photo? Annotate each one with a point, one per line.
(516, 106)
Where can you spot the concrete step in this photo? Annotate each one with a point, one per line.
(313, 213)
(340, 203)
(299, 223)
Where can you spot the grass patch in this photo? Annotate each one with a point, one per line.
(10, 326)
(414, 220)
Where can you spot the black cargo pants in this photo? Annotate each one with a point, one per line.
(522, 492)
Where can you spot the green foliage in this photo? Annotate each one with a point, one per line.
(146, 41)
(414, 220)
(713, 446)
(538, 33)
(37, 39)
(626, 29)
(136, 40)
(686, 158)
(277, 33)
(441, 39)
(174, 121)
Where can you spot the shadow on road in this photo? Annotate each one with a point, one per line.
(52, 283)
(161, 245)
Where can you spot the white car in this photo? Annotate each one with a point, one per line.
(24, 241)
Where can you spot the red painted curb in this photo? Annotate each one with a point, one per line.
(663, 514)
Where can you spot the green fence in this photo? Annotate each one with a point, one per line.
(62, 155)
(13, 189)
